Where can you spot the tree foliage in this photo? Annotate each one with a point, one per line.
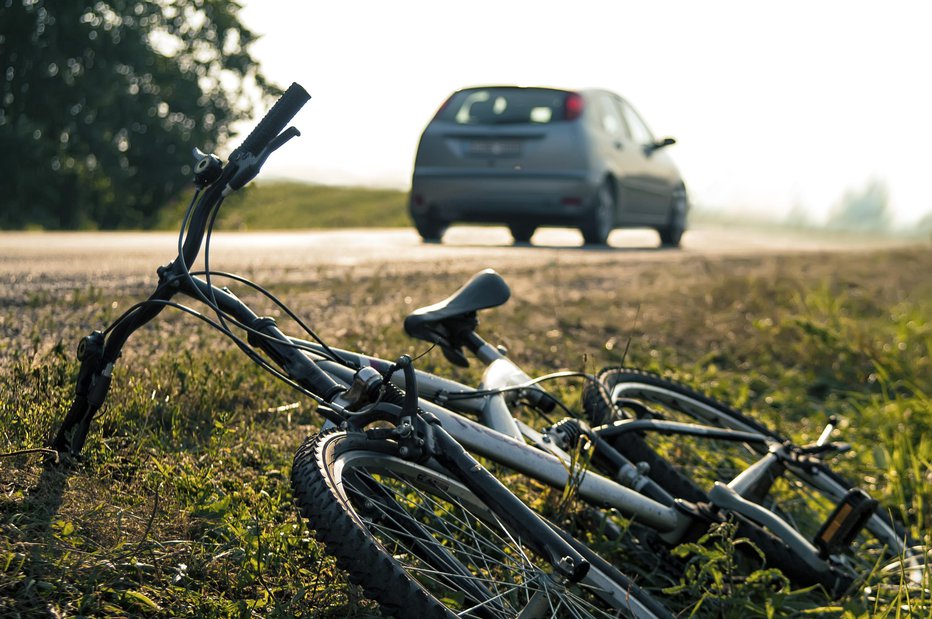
(101, 103)
(863, 210)
(924, 225)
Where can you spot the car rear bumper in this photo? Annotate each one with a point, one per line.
(502, 197)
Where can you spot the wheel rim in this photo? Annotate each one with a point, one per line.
(458, 550)
(805, 507)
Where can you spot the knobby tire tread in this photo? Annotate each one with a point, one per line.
(367, 565)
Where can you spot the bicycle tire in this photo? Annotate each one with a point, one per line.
(421, 545)
(675, 465)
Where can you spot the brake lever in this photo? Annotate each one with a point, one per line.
(279, 141)
(248, 167)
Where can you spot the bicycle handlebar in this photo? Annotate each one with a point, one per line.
(244, 164)
(274, 121)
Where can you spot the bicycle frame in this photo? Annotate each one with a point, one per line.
(545, 467)
(504, 439)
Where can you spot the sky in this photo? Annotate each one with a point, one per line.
(775, 106)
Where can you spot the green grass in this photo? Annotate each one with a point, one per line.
(288, 205)
(182, 508)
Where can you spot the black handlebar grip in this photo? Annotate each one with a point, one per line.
(275, 120)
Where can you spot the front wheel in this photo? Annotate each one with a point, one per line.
(672, 233)
(422, 545)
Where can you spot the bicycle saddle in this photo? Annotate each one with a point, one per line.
(447, 323)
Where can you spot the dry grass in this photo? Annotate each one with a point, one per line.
(182, 507)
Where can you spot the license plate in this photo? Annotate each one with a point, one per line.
(495, 148)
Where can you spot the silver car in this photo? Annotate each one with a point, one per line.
(531, 157)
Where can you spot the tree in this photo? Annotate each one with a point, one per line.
(923, 227)
(863, 211)
(798, 217)
(102, 101)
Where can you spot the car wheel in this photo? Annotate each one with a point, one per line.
(522, 233)
(672, 233)
(431, 230)
(601, 219)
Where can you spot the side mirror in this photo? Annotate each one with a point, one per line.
(657, 145)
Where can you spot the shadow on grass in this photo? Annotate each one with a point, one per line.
(27, 519)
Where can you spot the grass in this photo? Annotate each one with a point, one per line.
(289, 205)
(293, 205)
(182, 505)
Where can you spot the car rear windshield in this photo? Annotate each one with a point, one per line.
(496, 106)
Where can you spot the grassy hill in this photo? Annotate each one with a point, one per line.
(289, 205)
(281, 204)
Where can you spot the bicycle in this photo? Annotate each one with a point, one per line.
(450, 535)
(393, 485)
(818, 528)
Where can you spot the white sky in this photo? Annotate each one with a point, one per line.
(773, 105)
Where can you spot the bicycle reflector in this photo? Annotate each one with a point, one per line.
(846, 521)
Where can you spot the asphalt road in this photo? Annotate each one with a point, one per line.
(97, 258)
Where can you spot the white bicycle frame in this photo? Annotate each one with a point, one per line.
(502, 438)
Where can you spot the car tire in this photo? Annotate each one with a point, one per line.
(430, 229)
(601, 219)
(522, 233)
(672, 233)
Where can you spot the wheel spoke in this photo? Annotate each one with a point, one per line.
(411, 517)
(421, 541)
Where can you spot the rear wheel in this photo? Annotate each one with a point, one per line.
(688, 466)
(522, 233)
(422, 545)
(601, 219)
(430, 229)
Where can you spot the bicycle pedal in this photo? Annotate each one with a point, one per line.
(845, 522)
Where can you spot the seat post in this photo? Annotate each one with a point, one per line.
(484, 351)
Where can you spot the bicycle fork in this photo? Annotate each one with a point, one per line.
(91, 390)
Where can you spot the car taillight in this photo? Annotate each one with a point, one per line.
(573, 107)
(442, 107)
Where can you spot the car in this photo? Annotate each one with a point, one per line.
(529, 157)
